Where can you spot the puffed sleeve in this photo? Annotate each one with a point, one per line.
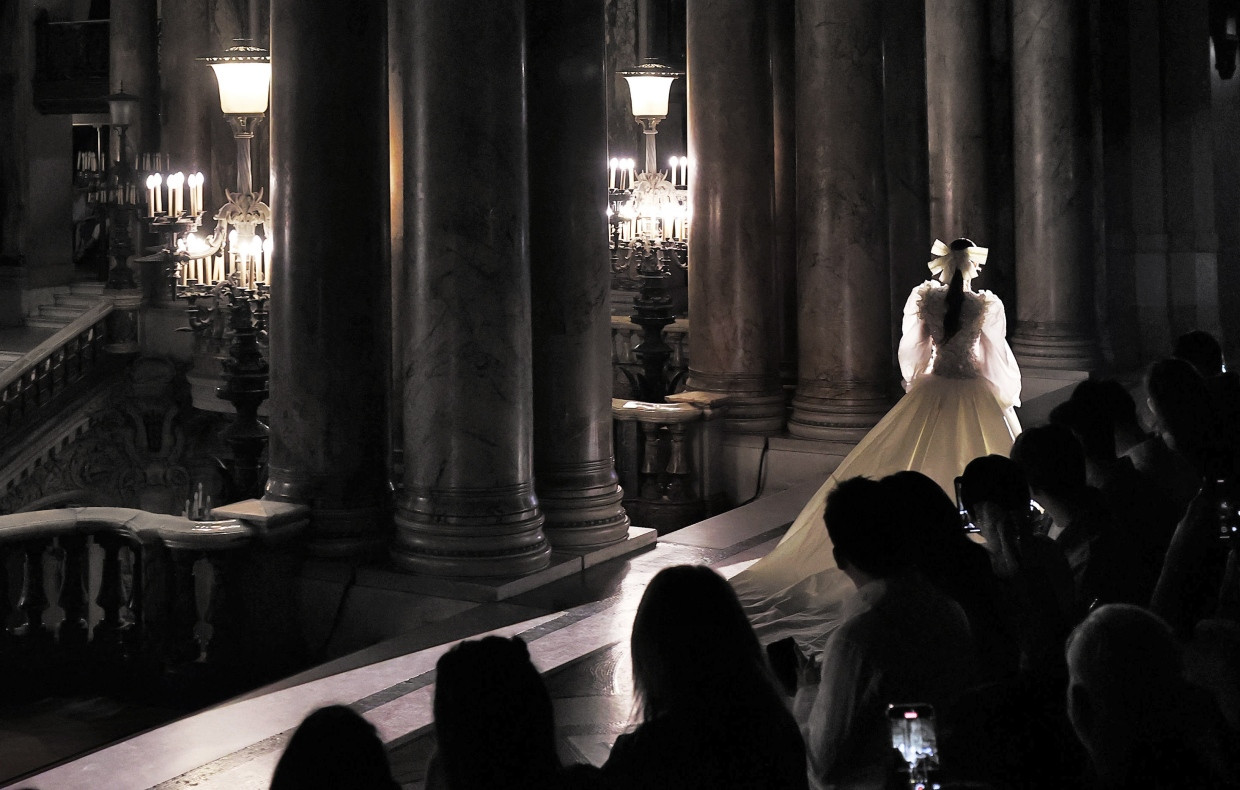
(996, 362)
(915, 345)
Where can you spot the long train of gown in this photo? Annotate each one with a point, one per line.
(939, 425)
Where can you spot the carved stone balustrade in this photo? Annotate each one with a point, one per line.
(625, 337)
(109, 595)
(667, 458)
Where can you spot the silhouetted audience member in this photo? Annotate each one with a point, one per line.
(941, 549)
(1139, 512)
(334, 748)
(1202, 351)
(1193, 569)
(1110, 397)
(493, 720)
(1212, 658)
(1038, 584)
(711, 716)
(1141, 723)
(901, 641)
(1079, 520)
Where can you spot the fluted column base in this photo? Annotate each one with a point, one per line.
(582, 506)
(471, 532)
(841, 413)
(1054, 345)
(338, 529)
(756, 403)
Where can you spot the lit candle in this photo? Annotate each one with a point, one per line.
(176, 182)
(150, 196)
(632, 163)
(611, 181)
(201, 180)
(159, 197)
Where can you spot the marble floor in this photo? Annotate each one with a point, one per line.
(577, 630)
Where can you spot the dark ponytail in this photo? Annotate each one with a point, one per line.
(955, 298)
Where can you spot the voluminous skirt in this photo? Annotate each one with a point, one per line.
(936, 428)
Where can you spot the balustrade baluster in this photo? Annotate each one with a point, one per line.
(74, 631)
(181, 646)
(651, 469)
(679, 466)
(224, 613)
(111, 595)
(56, 371)
(33, 600)
(73, 362)
(6, 603)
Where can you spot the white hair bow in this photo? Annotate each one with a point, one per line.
(946, 261)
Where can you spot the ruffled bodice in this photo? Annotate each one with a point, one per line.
(953, 357)
(978, 349)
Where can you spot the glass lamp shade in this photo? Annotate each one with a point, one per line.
(244, 77)
(649, 95)
(649, 87)
(122, 108)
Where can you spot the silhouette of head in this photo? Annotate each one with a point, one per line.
(863, 526)
(493, 717)
(332, 748)
(1092, 428)
(961, 244)
(1181, 405)
(1201, 350)
(692, 646)
(993, 478)
(922, 510)
(1109, 398)
(1051, 458)
(1125, 673)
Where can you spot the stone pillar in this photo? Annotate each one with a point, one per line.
(909, 231)
(574, 470)
(957, 51)
(134, 64)
(190, 98)
(781, 35)
(468, 508)
(1054, 199)
(843, 328)
(330, 275)
(731, 290)
(1188, 166)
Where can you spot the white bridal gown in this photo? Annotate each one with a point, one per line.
(960, 395)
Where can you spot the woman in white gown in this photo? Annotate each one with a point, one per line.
(962, 384)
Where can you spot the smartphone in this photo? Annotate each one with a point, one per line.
(966, 521)
(1228, 512)
(782, 656)
(913, 735)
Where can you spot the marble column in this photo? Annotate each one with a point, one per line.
(134, 64)
(957, 53)
(191, 120)
(909, 231)
(781, 35)
(330, 330)
(468, 506)
(1054, 198)
(574, 469)
(735, 339)
(1145, 135)
(1188, 166)
(843, 329)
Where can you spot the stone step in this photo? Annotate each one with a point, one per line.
(86, 288)
(47, 323)
(60, 312)
(76, 300)
(8, 358)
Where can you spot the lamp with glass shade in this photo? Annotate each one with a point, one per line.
(649, 87)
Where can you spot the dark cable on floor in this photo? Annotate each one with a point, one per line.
(766, 445)
(321, 653)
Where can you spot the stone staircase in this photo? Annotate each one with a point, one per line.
(69, 304)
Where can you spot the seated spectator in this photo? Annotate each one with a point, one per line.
(1212, 658)
(1193, 569)
(1079, 520)
(1141, 723)
(711, 716)
(1202, 351)
(1038, 584)
(942, 551)
(901, 641)
(1109, 397)
(1142, 516)
(333, 748)
(493, 720)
